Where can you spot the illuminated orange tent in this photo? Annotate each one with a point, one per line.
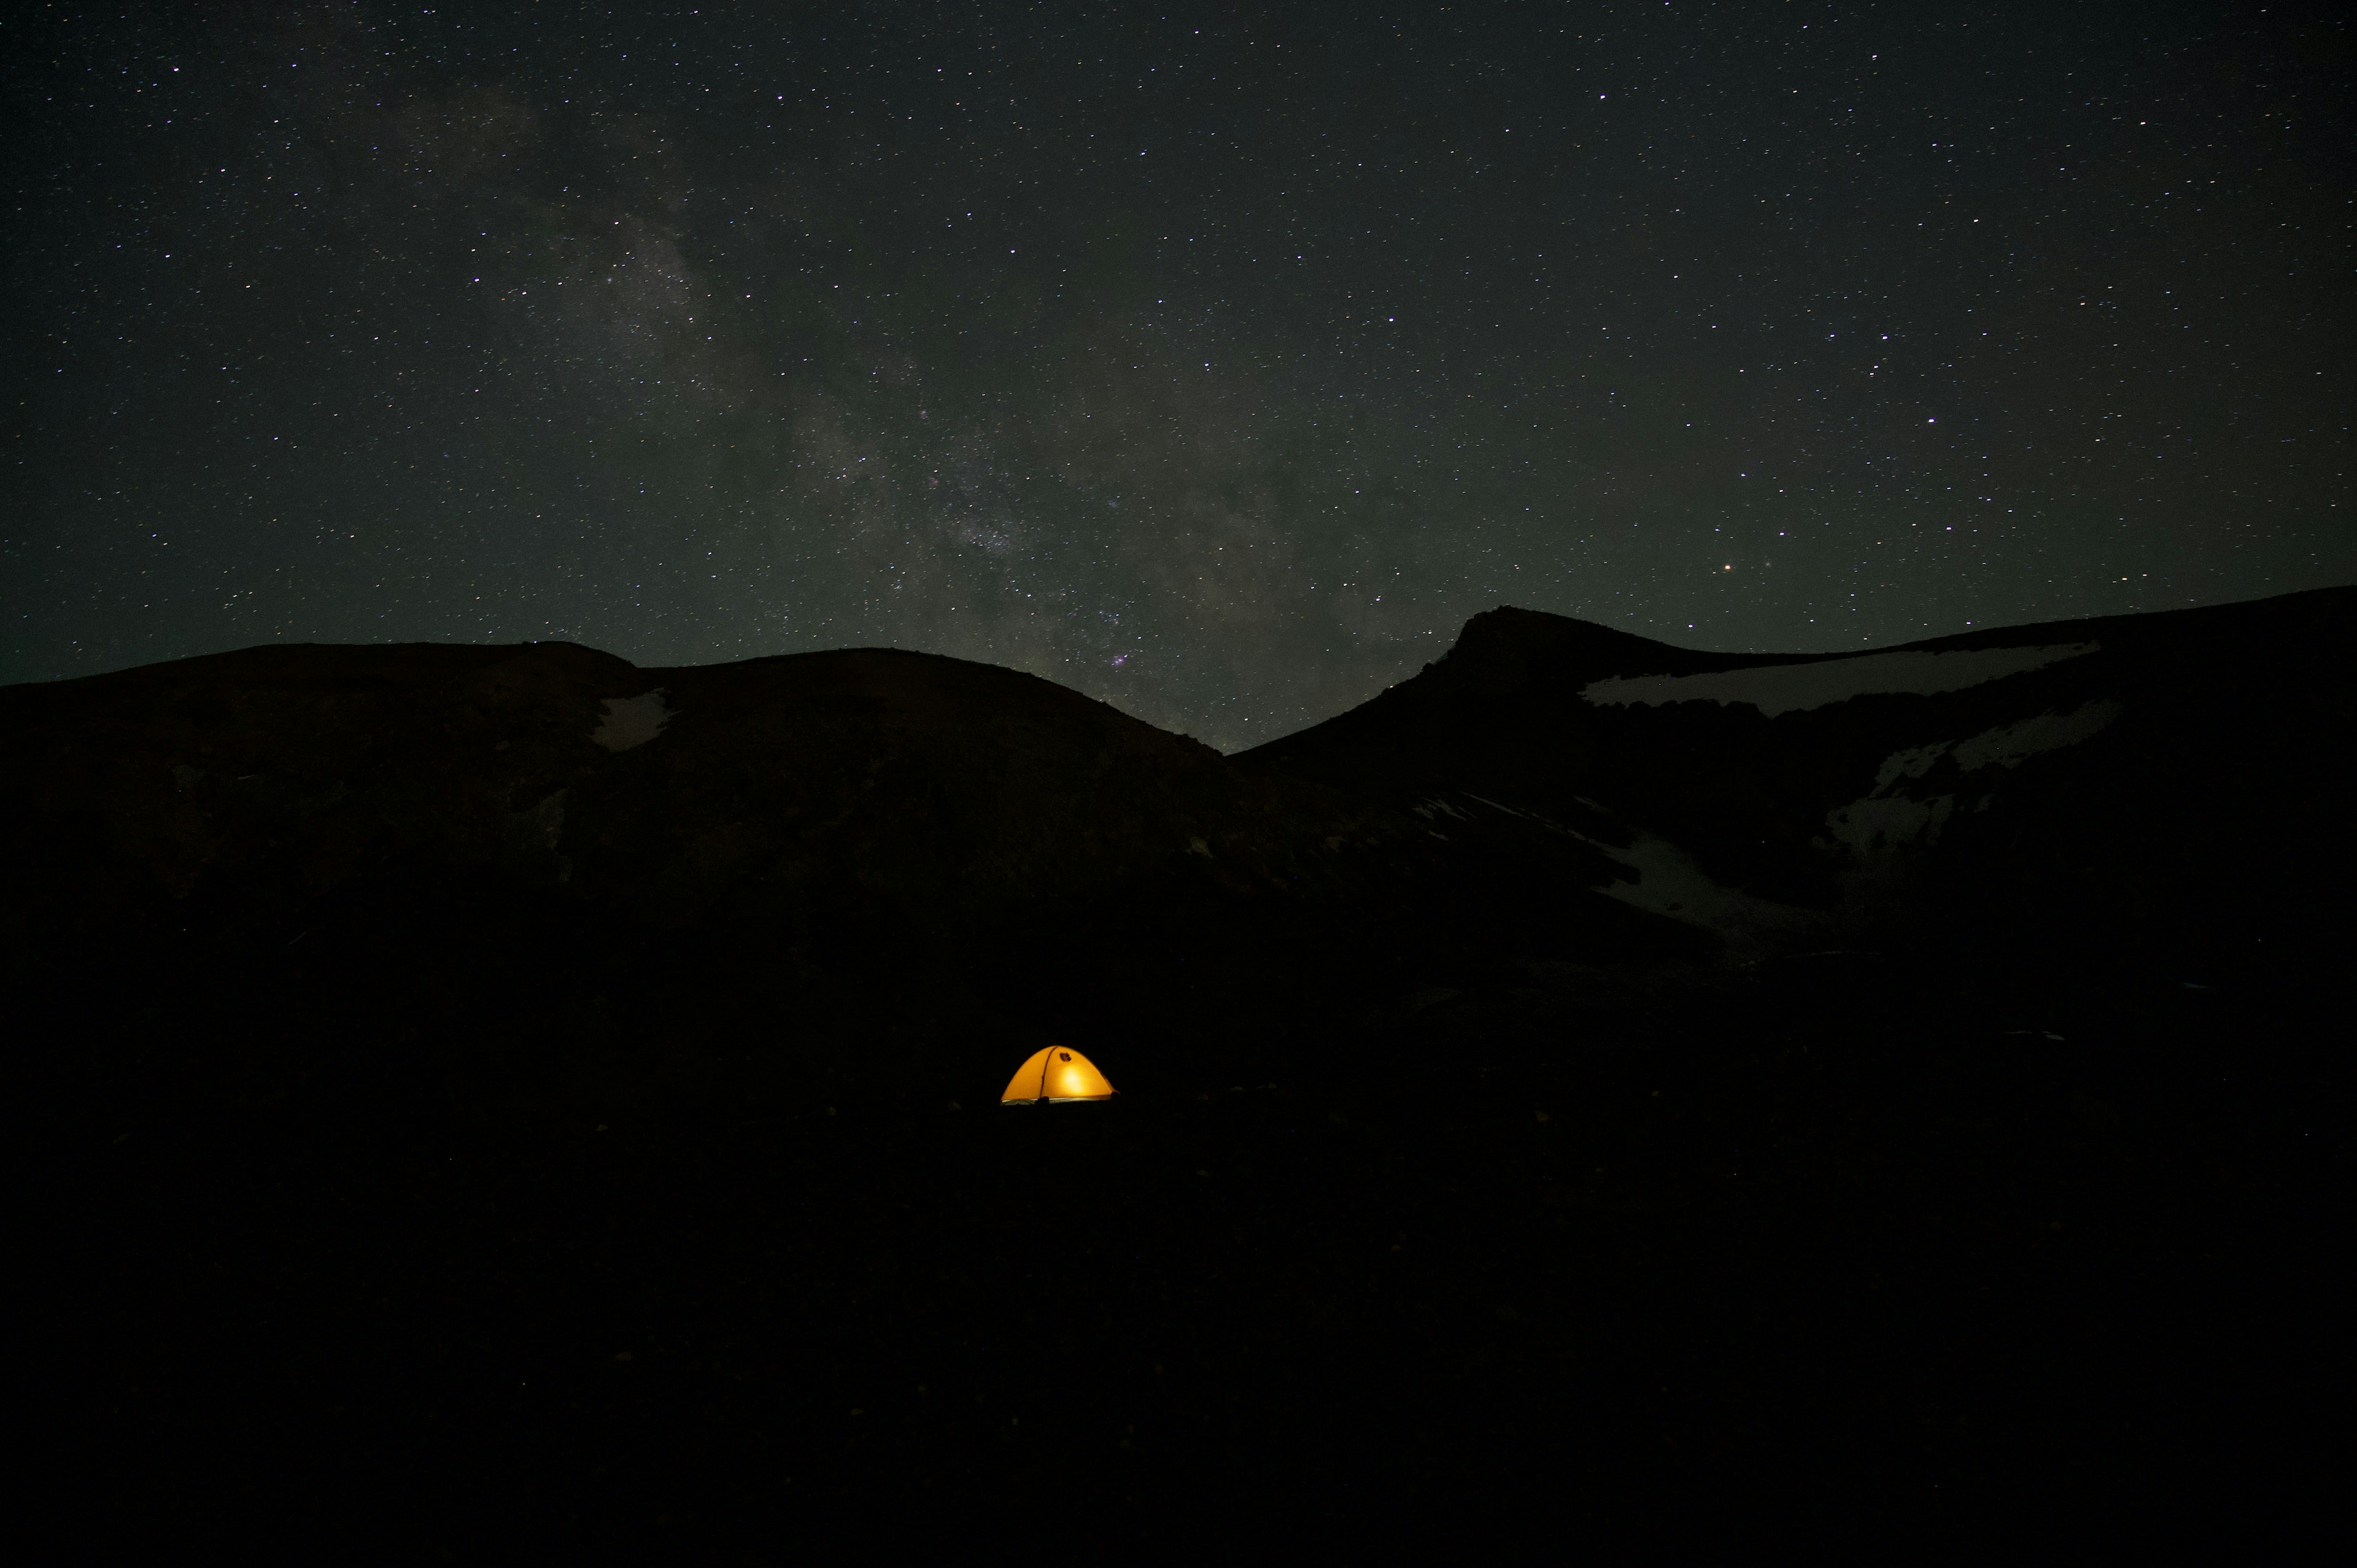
(1055, 1075)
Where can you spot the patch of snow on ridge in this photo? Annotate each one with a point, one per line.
(1885, 820)
(1776, 689)
(633, 721)
(2012, 745)
(1665, 880)
(1669, 882)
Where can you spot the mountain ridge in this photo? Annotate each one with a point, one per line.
(925, 790)
(1848, 804)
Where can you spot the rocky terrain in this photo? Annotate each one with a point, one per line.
(474, 1090)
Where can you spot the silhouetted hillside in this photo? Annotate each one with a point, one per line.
(2098, 784)
(485, 1094)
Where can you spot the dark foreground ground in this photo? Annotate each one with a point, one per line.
(1836, 1246)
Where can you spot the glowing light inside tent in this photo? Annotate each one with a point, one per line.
(1056, 1074)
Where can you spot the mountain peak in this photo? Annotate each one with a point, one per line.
(1513, 644)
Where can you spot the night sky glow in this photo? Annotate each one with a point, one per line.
(1216, 362)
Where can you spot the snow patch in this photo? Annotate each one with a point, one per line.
(1669, 882)
(1796, 688)
(2012, 745)
(1880, 823)
(1885, 820)
(633, 721)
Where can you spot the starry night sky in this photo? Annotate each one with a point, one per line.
(1218, 361)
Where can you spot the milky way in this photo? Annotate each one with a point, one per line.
(1216, 363)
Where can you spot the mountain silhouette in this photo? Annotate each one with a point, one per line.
(468, 1084)
(2083, 785)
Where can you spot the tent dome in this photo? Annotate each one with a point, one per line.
(1056, 1074)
